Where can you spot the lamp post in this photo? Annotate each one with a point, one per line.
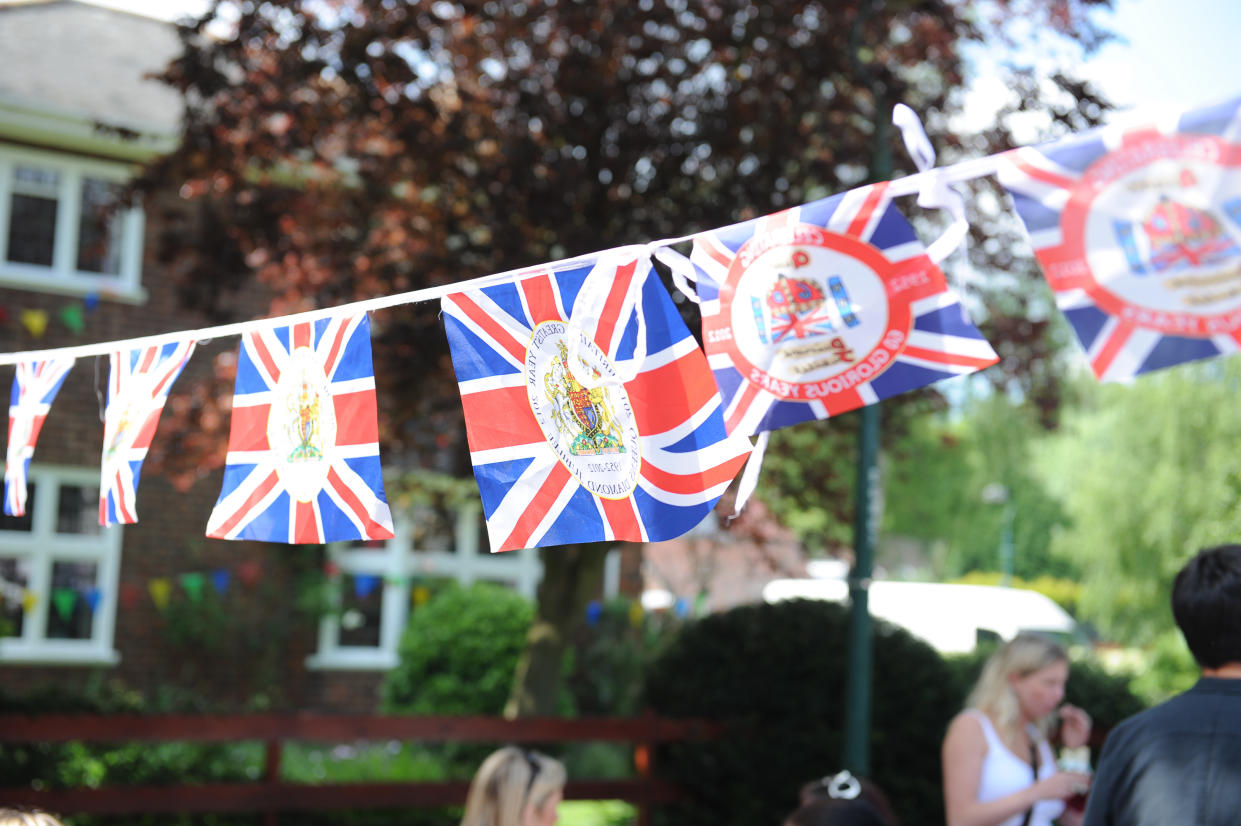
(997, 494)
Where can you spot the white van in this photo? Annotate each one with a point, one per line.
(951, 618)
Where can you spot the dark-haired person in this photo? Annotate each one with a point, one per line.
(1180, 762)
(842, 800)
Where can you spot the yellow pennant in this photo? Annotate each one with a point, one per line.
(161, 590)
(35, 321)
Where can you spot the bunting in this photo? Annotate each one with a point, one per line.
(35, 386)
(565, 447)
(1138, 232)
(824, 308)
(137, 390)
(303, 448)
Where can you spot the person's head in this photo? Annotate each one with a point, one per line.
(515, 787)
(1023, 681)
(26, 817)
(1206, 603)
(842, 800)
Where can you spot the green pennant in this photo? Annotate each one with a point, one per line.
(63, 600)
(193, 585)
(71, 317)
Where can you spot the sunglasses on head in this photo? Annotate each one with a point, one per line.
(533, 763)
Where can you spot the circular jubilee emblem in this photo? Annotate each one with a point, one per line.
(1152, 231)
(591, 430)
(301, 425)
(807, 313)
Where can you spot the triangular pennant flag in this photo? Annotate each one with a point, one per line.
(219, 579)
(364, 585)
(161, 591)
(623, 441)
(29, 601)
(636, 613)
(90, 301)
(825, 308)
(71, 316)
(93, 597)
(1138, 232)
(303, 461)
(35, 322)
(64, 600)
(192, 584)
(420, 595)
(35, 386)
(130, 594)
(594, 610)
(137, 389)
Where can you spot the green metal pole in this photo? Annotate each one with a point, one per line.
(865, 525)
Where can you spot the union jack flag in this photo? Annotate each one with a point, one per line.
(137, 390)
(826, 307)
(566, 447)
(34, 389)
(303, 447)
(1138, 232)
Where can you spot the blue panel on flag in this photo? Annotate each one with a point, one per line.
(893, 229)
(495, 478)
(235, 475)
(1087, 322)
(672, 521)
(787, 414)
(477, 360)
(1077, 154)
(1034, 215)
(569, 283)
(1173, 350)
(1211, 120)
(947, 321)
(820, 212)
(507, 298)
(709, 431)
(355, 361)
(579, 522)
(902, 376)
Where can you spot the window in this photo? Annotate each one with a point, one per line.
(58, 573)
(58, 232)
(373, 582)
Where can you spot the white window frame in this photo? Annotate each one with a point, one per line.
(42, 546)
(63, 277)
(395, 564)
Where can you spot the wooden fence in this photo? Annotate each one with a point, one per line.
(270, 795)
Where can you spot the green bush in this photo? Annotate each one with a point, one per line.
(459, 652)
(778, 672)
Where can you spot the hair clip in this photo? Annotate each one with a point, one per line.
(842, 786)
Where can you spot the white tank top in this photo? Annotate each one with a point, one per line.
(1004, 773)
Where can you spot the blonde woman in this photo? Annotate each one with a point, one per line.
(515, 787)
(999, 769)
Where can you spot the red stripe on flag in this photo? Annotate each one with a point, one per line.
(622, 516)
(941, 357)
(693, 483)
(265, 487)
(148, 357)
(716, 251)
(1044, 175)
(481, 320)
(1115, 343)
(873, 198)
(932, 284)
(305, 525)
(540, 504)
(301, 335)
(147, 431)
(356, 418)
(1140, 135)
(843, 402)
(540, 299)
(124, 512)
(665, 397)
(740, 406)
(373, 529)
(248, 429)
(170, 371)
(338, 344)
(500, 418)
(259, 349)
(612, 307)
(775, 220)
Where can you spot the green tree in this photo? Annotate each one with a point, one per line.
(1144, 472)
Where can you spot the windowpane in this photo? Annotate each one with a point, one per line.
(14, 579)
(78, 510)
(32, 229)
(99, 248)
(361, 610)
(69, 615)
(20, 523)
